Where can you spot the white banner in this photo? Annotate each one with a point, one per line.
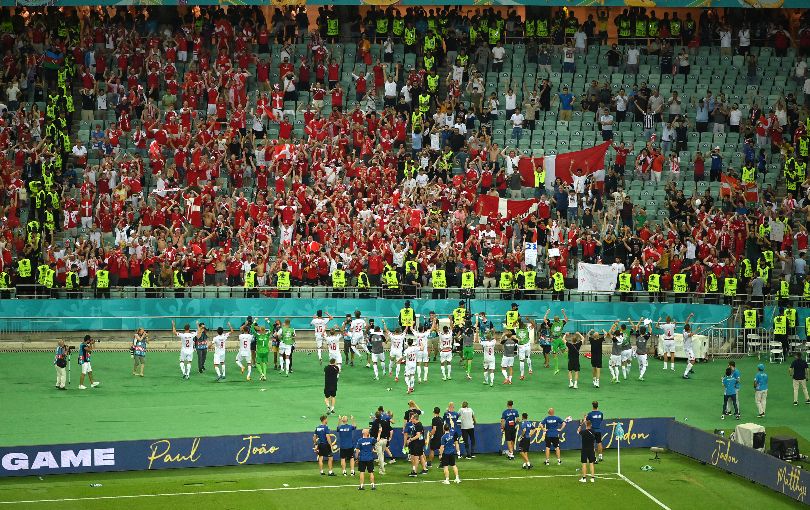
(530, 254)
(599, 277)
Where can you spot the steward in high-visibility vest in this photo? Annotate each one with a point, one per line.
(529, 280)
(411, 266)
(410, 36)
(790, 314)
(654, 283)
(806, 292)
(146, 279)
(391, 278)
(468, 280)
(749, 174)
(71, 280)
(541, 27)
(24, 268)
(250, 279)
(512, 317)
(398, 27)
(624, 282)
(459, 315)
(494, 36)
(382, 26)
(424, 102)
(332, 26)
(5, 280)
(438, 279)
(746, 268)
(750, 319)
(102, 282)
(363, 283)
(711, 282)
(406, 316)
(559, 282)
(730, 287)
(283, 280)
(506, 280)
(339, 279)
(679, 283)
(784, 289)
(42, 270)
(780, 325)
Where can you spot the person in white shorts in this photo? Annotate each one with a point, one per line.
(488, 346)
(245, 338)
(689, 345)
(422, 356)
(218, 343)
(446, 353)
(627, 350)
(286, 343)
(397, 339)
(668, 329)
(186, 349)
(523, 334)
(85, 353)
(357, 330)
(333, 347)
(643, 334)
(510, 346)
(319, 324)
(409, 356)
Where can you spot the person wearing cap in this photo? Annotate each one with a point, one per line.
(85, 352)
(761, 390)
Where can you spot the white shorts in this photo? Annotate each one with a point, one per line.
(395, 355)
(507, 361)
(446, 356)
(186, 355)
(376, 358)
(86, 368)
(615, 360)
(182, 56)
(219, 357)
(285, 349)
(524, 351)
(669, 346)
(690, 355)
(357, 339)
(422, 357)
(489, 364)
(337, 357)
(642, 359)
(319, 341)
(243, 355)
(627, 355)
(410, 369)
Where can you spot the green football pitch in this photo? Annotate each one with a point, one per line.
(162, 405)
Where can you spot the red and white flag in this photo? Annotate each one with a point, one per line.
(558, 166)
(493, 206)
(729, 186)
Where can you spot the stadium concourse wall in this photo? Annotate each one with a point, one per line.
(251, 449)
(64, 315)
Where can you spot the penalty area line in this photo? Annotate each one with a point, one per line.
(273, 489)
(641, 490)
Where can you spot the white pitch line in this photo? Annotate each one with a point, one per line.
(636, 486)
(272, 489)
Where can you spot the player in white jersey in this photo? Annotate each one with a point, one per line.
(668, 329)
(409, 356)
(319, 324)
(186, 349)
(357, 330)
(488, 346)
(397, 339)
(446, 353)
(218, 344)
(333, 339)
(422, 357)
(245, 338)
(689, 346)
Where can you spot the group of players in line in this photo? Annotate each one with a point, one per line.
(411, 344)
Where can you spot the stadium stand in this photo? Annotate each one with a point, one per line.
(351, 149)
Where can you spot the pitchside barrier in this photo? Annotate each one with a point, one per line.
(171, 453)
(60, 315)
(730, 456)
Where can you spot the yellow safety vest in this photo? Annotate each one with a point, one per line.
(283, 280)
(730, 287)
(424, 103)
(69, 277)
(780, 325)
(42, 270)
(406, 317)
(432, 82)
(332, 27)
(750, 319)
(494, 35)
(339, 279)
(439, 279)
(459, 315)
(512, 317)
(410, 36)
(540, 178)
(505, 282)
(250, 279)
(49, 274)
(179, 282)
(362, 280)
(541, 28)
(790, 313)
(529, 280)
(748, 270)
(679, 283)
(559, 282)
(624, 282)
(784, 289)
(102, 279)
(806, 293)
(410, 265)
(467, 280)
(711, 282)
(5, 280)
(391, 279)
(24, 268)
(748, 174)
(654, 283)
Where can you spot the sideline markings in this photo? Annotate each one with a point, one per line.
(638, 487)
(272, 489)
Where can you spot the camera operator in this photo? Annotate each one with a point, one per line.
(85, 352)
(139, 344)
(60, 362)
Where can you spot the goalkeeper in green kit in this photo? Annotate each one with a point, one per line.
(555, 328)
(262, 349)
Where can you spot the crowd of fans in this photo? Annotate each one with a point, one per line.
(190, 185)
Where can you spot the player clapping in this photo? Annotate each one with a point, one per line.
(186, 349)
(319, 324)
(410, 356)
(245, 338)
(218, 343)
(488, 346)
(397, 340)
(446, 353)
